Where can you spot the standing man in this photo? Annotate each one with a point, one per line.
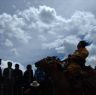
(28, 76)
(17, 73)
(8, 79)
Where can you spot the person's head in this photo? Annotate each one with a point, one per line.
(82, 44)
(16, 66)
(29, 67)
(9, 64)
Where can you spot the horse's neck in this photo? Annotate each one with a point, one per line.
(60, 82)
(55, 73)
(58, 76)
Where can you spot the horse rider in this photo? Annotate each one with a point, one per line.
(77, 60)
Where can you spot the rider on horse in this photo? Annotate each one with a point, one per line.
(77, 60)
(75, 66)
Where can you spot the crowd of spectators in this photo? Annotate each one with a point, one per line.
(17, 82)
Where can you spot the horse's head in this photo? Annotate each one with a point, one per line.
(48, 63)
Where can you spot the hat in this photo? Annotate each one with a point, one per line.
(34, 84)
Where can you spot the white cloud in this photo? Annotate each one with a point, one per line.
(91, 61)
(60, 49)
(47, 14)
(37, 32)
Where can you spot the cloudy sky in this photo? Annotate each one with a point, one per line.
(33, 29)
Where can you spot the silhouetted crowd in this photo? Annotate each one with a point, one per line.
(17, 82)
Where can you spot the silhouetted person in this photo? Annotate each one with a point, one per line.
(44, 79)
(28, 76)
(40, 77)
(78, 58)
(0, 78)
(76, 63)
(17, 73)
(8, 79)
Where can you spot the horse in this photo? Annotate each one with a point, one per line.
(61, 82)
(51, 65)
(89, 81)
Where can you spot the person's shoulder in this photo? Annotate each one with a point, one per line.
(25, 72)
(20, 70)
(85, 50)
(5, 69)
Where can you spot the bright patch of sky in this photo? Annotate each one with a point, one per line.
(33, 31)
